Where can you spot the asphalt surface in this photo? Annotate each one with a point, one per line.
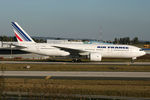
(80, 63)
(77, 75)
(81, 75)
(28, 96)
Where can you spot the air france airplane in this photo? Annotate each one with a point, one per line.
(94, 52)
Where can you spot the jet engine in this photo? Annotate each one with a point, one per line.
(95, 56)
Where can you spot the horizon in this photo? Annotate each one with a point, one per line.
(56, 38)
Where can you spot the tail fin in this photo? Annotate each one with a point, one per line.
(21, 35)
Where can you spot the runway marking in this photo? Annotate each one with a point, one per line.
(47, 77)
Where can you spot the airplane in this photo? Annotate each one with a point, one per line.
(94, 52)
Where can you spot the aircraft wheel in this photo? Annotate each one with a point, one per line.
(76, 60)
(132, 61)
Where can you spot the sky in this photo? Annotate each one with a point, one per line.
(92, 19)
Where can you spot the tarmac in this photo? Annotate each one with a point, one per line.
(77, 75)
(80, 75)
(80, 63)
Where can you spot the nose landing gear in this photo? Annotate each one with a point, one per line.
(133, 59)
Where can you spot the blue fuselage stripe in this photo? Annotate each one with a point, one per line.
(20, 31)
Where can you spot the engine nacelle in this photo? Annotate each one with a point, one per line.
(95, 56)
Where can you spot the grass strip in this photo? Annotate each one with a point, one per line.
(73, 67)
(86, 87)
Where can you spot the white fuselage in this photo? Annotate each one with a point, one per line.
(94, 51)
(106, 50)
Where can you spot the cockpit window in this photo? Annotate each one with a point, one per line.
(141, 49)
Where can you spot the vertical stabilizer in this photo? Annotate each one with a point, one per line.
(20, 34)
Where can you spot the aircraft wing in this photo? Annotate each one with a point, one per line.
(18, 46)
(73, 52)
(12, 51)
(15, 46)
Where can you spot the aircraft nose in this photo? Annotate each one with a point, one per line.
(143, 53)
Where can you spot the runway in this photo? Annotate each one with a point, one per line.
(78, 63)
(77, 75)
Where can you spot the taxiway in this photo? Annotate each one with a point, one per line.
(79, 63)
(77, 75)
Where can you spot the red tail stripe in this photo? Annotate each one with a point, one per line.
(18, 37)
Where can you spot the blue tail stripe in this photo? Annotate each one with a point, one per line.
(20, 31)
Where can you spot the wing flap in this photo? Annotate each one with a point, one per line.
(73, 52)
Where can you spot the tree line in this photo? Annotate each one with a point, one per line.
(13, 39)
(8, 38)
(124, 40)
(128, 40)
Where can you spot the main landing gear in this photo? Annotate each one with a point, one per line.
(76, 60)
